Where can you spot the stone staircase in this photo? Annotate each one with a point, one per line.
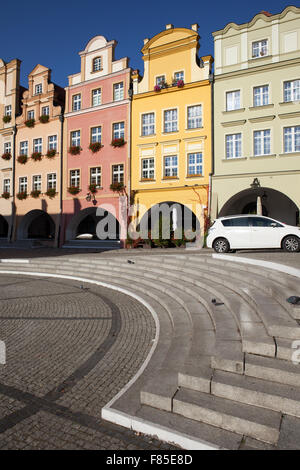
(221, 372)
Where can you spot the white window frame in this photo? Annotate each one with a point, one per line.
(234, 102)
(45, 111)
(51, 181)
(294, 91)
(260, 48)
(37, 145)
(7, 110)
(148, 170)
(38, 90)
(179, 75)
(173, 121)
(23, 184)
(97, 97)
(262, 142)
(236, 144)
(193, 121)
(160, 79)
(52, 142)
(6, 185)
(24, 147)
(36, 182)
(118, 173)
(96, 176)
(119, 130)
(97, 64)
(7, 147)
(76, 102)
(294, 139)
(96, 134)
(147, 127)
(261, 95)
(75, 178)
(75, 138)
(118, 90)
(195, 164)
(30, 114)
(172, 167)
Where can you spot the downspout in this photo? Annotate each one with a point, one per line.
(61, 118)
(130, 93)
(13, 204)
(211, 80)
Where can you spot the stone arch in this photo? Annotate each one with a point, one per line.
(85, 222)
(3, 227)
(36, 224)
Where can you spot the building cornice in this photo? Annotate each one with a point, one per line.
(172, 89)
(113, 104)
(92, 80)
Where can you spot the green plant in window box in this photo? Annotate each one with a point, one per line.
(74, 190)
(51, 153)
(36, 156)
(6, 156)
(51, 192)
(22, 195)
(93, 188)
(44, 118)
(95, 146)
(30, 123)
(75, 149)
(6, 119)
(35, 193)
(6, 195)
(118, 142)
(117, 187)
(22, 159)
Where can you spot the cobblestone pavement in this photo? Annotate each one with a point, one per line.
(70, 349)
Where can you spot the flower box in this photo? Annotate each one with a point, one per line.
(51, 153)
(30, 123)
(51, 193)
(22, 159)
(157, 88)
(95, 146)
(35, 193)
(180, 83)
(6, 119)
(117, 187)
(44, 118)
(36, 156)
(75, 150)
(5, 195)
(6, 156)
(22, 195)
(118, 142)
(74, 190)
(93, 188)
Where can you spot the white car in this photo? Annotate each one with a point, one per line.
(252, 231)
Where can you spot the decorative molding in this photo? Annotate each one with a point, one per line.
(234, 123)
(262, 118)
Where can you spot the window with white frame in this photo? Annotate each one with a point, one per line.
(38, 145)
(75, 138)
(38, 89)
(97, 64)
(170, 120)
(51, 181)
(233, 145)
(96, 134)
(119, 130)
(45, 110)
(37, 182)
(148, 123)
(7, 110)
(23, 184)
(291, 137)
(179, 76)
(160, 80)
(262, 142)
(75, 178)
(6, 185)
(95, 176)
(194, 115)
(7, 147)
(195, 164)
(233, 100)
(76, 102)
(24, 147)
(118, 173)
(292, 90)
(52, 142)
(261, 95)
(171, 166)
(260, 48)
(148, 168)
(96, 97)
(118, 91)
(30, 114)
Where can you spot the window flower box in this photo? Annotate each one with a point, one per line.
(75, 149)
(93, 188)
(51, 192)
(5, 195)
(6, 156)
(22, 159)
(51, 153)
(35, 193)
(6, 119)
(117, 187)
(95, 146)
(30, 123)
(118, 142)
(157, 88)
(180, 83)
(74, 190)
(22, 195)
(44, 118)
(36, 156)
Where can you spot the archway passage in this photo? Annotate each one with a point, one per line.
(3, 227)
(37, 224)
(83, 225)
(275, 204)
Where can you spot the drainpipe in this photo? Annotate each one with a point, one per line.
(13, 204)
(211, 80)
(130, 93)
(61, 118)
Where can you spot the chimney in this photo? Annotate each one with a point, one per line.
(195, 27)
(169, 26)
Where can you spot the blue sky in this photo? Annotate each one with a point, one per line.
(53, 33)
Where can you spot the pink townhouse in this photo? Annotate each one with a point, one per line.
(97, 145)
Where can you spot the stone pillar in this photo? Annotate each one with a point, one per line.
(258, 206)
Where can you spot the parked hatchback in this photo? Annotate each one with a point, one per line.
(252, 231)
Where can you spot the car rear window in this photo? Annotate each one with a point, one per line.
(236, 222)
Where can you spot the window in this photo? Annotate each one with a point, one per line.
(233, 100)
(75, 178)
(160, 80)
(171, 166)
(96, 97)
(23, 184)
(291, 137)
(148, 124)
(292, 91)
(263, 222)
(75, 138)
(178, 76)
(38, 89)
(7, 110)
(261, 95)
(170, 120)
(95, 176)
(95, 134)
(194, 116)
(37, 183)
(148, 168)
(51, 181)
(6, 185)
(259, 48)
(7, 147)
(118, 91)
(118, 173)
(233, 145)
(262, 142)
(52, 142)
(236, 222)
(76, 102)
(24, 147)
(195, 164)
(45, 110)
(118, 130)
(30, 114)
(97, 64)
(37, 145)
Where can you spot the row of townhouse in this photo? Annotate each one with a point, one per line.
(214, 144)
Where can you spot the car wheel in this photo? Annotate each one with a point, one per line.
(291, 244)
(221, 245)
